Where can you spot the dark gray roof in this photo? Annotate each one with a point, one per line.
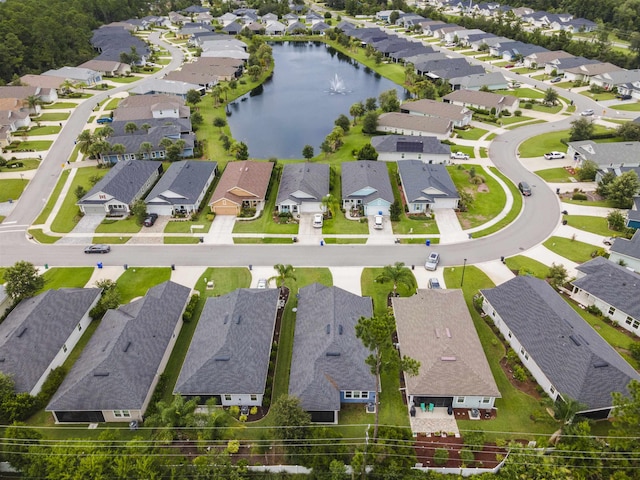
(183, 124)
(35, 331)
(448, 68)
(182, 183)
(327, 355)
(608, 154)
(400, 143)
(572, 62)
(412, 50)
(612, 283)
(367, 180)
(422, 182)
(119, 364)
(573, 356)
(154, 137)
(630, 248)
(123, 181)
(111, 41)
(229, 352)
(304, 182)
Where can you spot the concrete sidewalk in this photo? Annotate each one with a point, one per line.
(546, 256)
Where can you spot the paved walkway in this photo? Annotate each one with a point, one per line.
(546, 256)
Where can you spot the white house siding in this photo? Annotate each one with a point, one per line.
(439, 203)
(415, 133)
(526, 360)
(621, 318)
(241, 399)
(125, 415)
(377, 206)
(424, 157)
(629, 262)
(311, 207)
(472, 401)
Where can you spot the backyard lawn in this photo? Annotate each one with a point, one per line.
(573, 250)
(488, 202)
(67, 277)
(135, 281)
(11, 189)
(554, 175)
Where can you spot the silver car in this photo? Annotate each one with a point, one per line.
(432, 261)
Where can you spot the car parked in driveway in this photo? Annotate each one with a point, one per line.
(553, 155)
(262, 283)
(317, 220)
(525, 189)
(609, 241)
(459, 156)
(434, 283)
(556, 80)
(103, 120)
(378, 222)
(98, 248)
(587, 113)
(432, 261)
(150, 219)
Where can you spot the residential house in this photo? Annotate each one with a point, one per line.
(108, 68)
(269, 17)
(486, 42)
(459, 116)
(242, 185)
(157, 86)
(461, 36)
(112, 40)
(227, 18)
(178, 19)
(366, 185)
(40, 333)
(633, 215)
(302, 188)
(483, 100)
(181, 190)
(117, 372)
(138, 107)
(559, 65)
(540, 59)
(575, 25)
(4, 300)
(408, 20)
(328, 365)
(126, 182)
(426, 186)
(430, 26)
(474, 39)
(616, 79)
(43, 94)
(512, 50)
(275, 27)
(411, 50)
(296, 28)
(435, 328)
(320, 28)
(614, 157)
(392, 148)
(447, 68)
(414, 125)
(492, 81)
(611, 288)
(43, 81)
(228, 358)
(383, 15)
(566, 356)
(10, 121)
(627, 252)
(585, 73)
(123, 127)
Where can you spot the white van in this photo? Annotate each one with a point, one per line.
(377, 222)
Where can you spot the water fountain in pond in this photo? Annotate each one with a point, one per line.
(336, 85)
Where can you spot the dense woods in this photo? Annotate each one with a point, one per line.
(37, 35)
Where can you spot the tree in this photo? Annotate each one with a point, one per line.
(283, 274)
(22, 280)
(139, 211)
(557, 275)
(375, 334)
(130, 128)
(581, 129)
(307, 152)
(292, 422)
(550, 96)
(356, 111)
(629, 131)
(32, 102)
(371, 104)
(395, 210)
(389, 101)
(193, 97)
(393, 17)
(616, 220)
(18, 442)
(145, 149)
(196, 119)
(343, 122)
(565, 409)
(172, 416)
(587, 171)
(79, 192)
(173, 152)
(327, 200)
(367, 152)
(622, 190)
(219, 122)
(398, 274)
(85, 141)
(146, 127)
(370, 123)
(626, 422)
(240, 150)
(109, 299)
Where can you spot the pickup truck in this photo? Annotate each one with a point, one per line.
(459, 156)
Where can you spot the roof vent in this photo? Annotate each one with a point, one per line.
(437, 333)
(226, 319)
(600, 364)
(2, 360)
(575, 340)
(100, 374)
(340, 329)
(21, 332)
(332, 354)
(328, 328)
(448, 359)
(126, 347)
(448, 332)
(222, 358)
(238, 319)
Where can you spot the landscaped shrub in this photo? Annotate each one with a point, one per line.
(234, 411)
(233, 446)
(593, 310)
(518, 113)
(190, 309)
(50, 385)
(467, 456)
(441, 456)
(579, 196)
(528, 106)
(474, 439)
(519, 373)
(254, 410)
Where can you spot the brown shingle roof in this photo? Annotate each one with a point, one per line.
(435, 328)
(414, 122)
(44, 81)
(251, 176)
(436, 109)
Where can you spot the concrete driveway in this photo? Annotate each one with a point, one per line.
(221, 230)
(307, 234)
(87, 225)
(383, 236)
(449, 226)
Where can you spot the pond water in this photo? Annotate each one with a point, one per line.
(312, 84)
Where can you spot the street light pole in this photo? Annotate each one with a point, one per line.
(464, 265)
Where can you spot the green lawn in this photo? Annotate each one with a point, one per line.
(261, 240)
(518, 125)
(27, 164)
(486, 205)
(598, 96)
(590, 203)
(471, 134)
(69, 213)
(52, 199)
(180, 240)
(597, 225)
(135, 281)
(11, 189)
(45, 130)
(42, 237)
(554, 175)
(628, 107)
(67, 277)
(339, 222)
(513, 213)
(126, 225)
(515, 407)
(529, 266)
(53, 117)
(33, 146)
(131, 79)
(344, 241)
(468, 149)
(380, 291)
(522, 93)
(185, 226)
(408, 224)
(2, 270)
(112, 104)
(546, 108)
(111, 240)
(513, 119)
(58, 106)
(573, 250)
(539, 145)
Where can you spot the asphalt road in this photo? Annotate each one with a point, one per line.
(539, 218)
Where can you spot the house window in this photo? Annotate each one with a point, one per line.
(254, 398)
(364, 394)
(79, 327)
(636, 323)
(348, 394)
(402, 156)
(509, 334)
(227, 397)
(526, 356)
(486, 400)
(612, 310)
(64, 348)
(629, 320)
(460, 400)
(121, 413)
(522, 350)
(117, 413)
(102, 197)
(552, 390)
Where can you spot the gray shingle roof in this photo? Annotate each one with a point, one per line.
(608, 154)
(119, 364)
(421, 182)
(435, 328)
(367, 180)
(303, 182)
(35, 331)
(612, 284)
(630, 248)
(123, 181)
(327, 355)
(182, 183)
(229, 352)
(397, 143)
(183, 124)
(155, 135)
(573, 356)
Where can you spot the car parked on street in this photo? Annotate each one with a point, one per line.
(553, 155)
(98, 248)
(432, 261)
(525, 189)
(587, 113)
(150, 219)
(556, 80)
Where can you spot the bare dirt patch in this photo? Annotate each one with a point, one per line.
(426, 448)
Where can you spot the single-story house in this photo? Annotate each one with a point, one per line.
(43, 81)
(633, 216)
(138, 107)
(242, 185)
(492, 80)
(117, 372)
(459, 116)
(126, 182)
(435, 328)
(608, 156)
(159, 86)
(567, 357)
(615, 79)
(610, 287)
(584, 73)
(483, 100)
(366, 183)
(414, 125)
(328, 365)
(44, 94)
(392, 148)
(182, 188)
(558, 66)
(274, 27)
(108, 68)
(302, 188)
(426, 186)
(4, 299)
(447, 68)
(228, 358)
(540, 59)
(40, 333)
(75, 74)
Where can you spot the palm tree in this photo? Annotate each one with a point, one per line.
(326, 202)
(85, 141)
(398, 274)
(32, 101)
(67, 86)
(145, 127)
(284, 273)
(145, 147)
(104, 132)
(130, 127)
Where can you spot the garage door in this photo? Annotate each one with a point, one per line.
(225, 210)
(375, 210)
(94, 210)
(160, 209)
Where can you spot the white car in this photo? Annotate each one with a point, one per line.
(262, 283)
(587, 113)
(459, 156)
(553, 155)
(377, 222)
(317, 220)
(432, 261)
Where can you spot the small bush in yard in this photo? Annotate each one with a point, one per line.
(579, 196)
(441, 456)
(233, 446)
(234, 411)
(191, 307)
(467, 456)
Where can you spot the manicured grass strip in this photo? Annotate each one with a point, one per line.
(550, 141)
(135, 281)
(628, 107)
(266, 240)
(27, 164)
(111, 240)
(527, 266)
(419, 241)
(513, 213)
(471, 134)
(52, 199)
(11, 188)
(112, 104)
(185, 226)
(598, 96)
(464, 149)
(590, 203)
(522, 93)
(180, 240)
(53, 117)
(597, 225)
(66, 277)
(69, 213)
(58, 106)
(573, 250)
(518, 125)
(125, 225)
(379, 291)
(514, 119)
(2, 270)
(486, 205)
(344, 241)
(42, 237)
(33, 146)
(554, 175)
(131, 79)
(45, 130)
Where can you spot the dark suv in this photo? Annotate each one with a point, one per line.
(525, 189)
(150, 220)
